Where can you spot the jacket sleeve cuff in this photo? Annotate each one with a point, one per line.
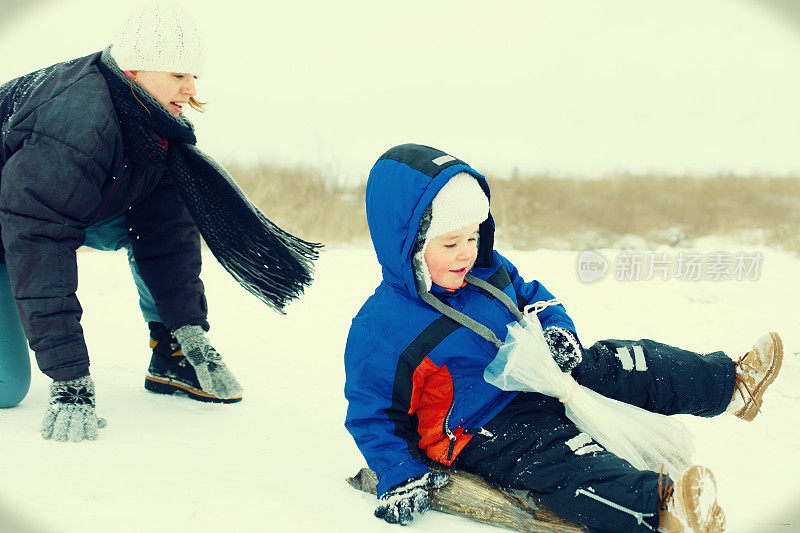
(65, 362)
(202, 322)
(396, 474)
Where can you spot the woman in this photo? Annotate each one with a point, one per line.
(97, 152)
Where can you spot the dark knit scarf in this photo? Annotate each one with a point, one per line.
(267, 261)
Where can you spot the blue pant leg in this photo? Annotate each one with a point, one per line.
(658, 377)
(146, 302)
(15, 362)
(113, 235)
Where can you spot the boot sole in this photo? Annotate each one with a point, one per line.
(170, 386)
(750, 409)
(702, 517)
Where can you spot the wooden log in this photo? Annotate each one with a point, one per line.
(475, 498)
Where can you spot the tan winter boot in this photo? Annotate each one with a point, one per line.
(690, 505)
(754, 372)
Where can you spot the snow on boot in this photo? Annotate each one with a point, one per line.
(170, 372)
(754, 372)
(690, 505)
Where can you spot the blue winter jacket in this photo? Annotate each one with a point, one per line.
(63, 167)
(414, 377)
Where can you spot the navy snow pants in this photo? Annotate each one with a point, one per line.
(534, 446)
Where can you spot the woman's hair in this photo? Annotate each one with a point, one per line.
(130, 81)
(197, 105)
(194, 103)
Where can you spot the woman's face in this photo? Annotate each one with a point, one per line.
(450, 257)
(171, 89)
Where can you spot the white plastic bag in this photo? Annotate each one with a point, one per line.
(648, 441)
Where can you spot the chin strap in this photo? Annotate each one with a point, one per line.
(497, 293)
(473, 324)
(461, 318)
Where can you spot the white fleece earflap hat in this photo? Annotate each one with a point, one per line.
(460, 203)
(159, 36)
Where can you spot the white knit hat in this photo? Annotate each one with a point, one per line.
(460, 203)
(159, 36)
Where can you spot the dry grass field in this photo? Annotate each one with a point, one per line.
(302, 201)
(564, 213)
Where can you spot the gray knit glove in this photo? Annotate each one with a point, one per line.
(213, 375)
(71, 415)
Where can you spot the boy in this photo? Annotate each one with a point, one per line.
(418, 347)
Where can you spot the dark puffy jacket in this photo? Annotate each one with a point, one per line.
(414, 377)
(63, 168)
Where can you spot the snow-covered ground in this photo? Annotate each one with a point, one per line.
(277, 461)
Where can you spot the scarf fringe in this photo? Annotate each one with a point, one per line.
(269, 262)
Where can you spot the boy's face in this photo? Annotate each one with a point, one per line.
(450, 256)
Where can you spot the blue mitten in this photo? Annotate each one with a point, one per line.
(399, 503)
(564, 347)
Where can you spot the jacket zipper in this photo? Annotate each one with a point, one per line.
(479, 431)
(452, 438)
(110, 194)
(105, 204)
(446, 429)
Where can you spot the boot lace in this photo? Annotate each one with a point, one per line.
(741, 385)
(665, 489)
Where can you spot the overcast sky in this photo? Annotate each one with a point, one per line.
(571, 86)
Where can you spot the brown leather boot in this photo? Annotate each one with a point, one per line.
(754, 372)
(690, 505)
